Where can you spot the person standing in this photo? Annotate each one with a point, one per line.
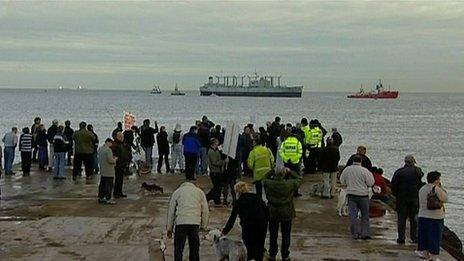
(431, 221)
(34, 130)
(116, 130)
(204, 134)
(291, 151)
(95, 167)
(68, 133)
(107, 172)
(41, 142)
(254, 217)
(84, 141)
(358, 180)
(274, 131)
(121, 151)
(147, 140)
(191, 149)
(10, 141)
(247, 147)
(163, 149)
(51, 132)
(176, 149)
(59, 150)
(260, 161)
(216, 169)
(336, 137)
(25, 147)
(188, 212)
(280, 189)
(330, 156)
(405, 185)
(314, 144)
(361, 151)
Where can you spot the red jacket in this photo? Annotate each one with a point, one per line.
(380, 181)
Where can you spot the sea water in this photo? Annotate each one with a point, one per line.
(429, 126)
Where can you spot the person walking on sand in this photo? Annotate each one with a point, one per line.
(187, 213)
(358, 180)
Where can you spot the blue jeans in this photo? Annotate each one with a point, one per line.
(201, 165)
(149, 155)
(9, 158)
(58, 168)
(359, 204)
(430, 235)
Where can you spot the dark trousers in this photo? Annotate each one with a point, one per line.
(407, 210)
(166, 161)
(285, 230)
(86, 158)
(105, 188)
(227, 184)
(70, 152)
(181, 233)
(313, 159)
(35, 151)
(26, 158)
(253, 237)
(118, 180)
(305, 159)
(190, 164)
(215, 192)
(430, 235)
(259, 189)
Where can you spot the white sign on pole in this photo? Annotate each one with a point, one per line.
(229, 147)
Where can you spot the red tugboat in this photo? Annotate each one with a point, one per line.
(378, 93)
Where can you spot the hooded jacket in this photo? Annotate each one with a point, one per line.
(261, 161)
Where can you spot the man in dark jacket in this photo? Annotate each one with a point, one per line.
(84, 142)
(328, 163)
(365, 161)
(336, 137)
(280, 188)
(204, 135)
(191, 149)
(274, 132)
(118, 129)
(122, 152)
(163, 149)
(68, 133)
(405, 186)
(147, 139)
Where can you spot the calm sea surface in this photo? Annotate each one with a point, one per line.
(429, 126)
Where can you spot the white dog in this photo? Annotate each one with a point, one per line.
(225, 248)
(342, 206)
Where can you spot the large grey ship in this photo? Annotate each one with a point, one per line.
(256, 86)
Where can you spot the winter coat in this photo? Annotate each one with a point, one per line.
(406, 183)
(51, 132)
(123, 152)
(147, 135)
(261, 161)
(329, 158)
(163, 143)
(106, 161)
(59, 143)
(68, 133)
(84, 141)
(41, 138)
(188, 206)
(366, 162)
(251, 210)
(215, 161)
(279, 193)
(337, 139)
(191, 144)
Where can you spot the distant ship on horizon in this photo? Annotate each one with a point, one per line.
(156, 89)
(378, 93)
(254, 86)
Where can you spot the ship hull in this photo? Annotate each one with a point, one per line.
(252, 94)
(383, 95)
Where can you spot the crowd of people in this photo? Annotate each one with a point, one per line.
(275, 157)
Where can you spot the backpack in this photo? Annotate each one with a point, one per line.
(176, 137)
(433, 202)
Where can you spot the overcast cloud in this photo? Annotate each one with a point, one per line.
(325, 46)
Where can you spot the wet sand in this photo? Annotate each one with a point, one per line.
(46, 219)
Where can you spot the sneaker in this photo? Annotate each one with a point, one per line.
(422, 254)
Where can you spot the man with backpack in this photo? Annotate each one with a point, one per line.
(177, 156)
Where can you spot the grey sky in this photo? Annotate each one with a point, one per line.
(325, 46)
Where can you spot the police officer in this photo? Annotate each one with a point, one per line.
(291, 151)
(305, 143)
(314, 143)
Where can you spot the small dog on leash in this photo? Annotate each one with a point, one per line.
(225, 248)
(342, 206)
(152, 187)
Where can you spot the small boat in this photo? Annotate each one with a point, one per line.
(60, 88)
(378, 93)
(156, 90)
(177, 92)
